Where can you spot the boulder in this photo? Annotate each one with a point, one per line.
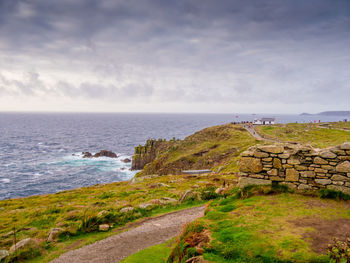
(343, 167)
(102, 214)
(249, 164)
(145, 205)
(304, 187)
(4, 254)
(292, 175)
(54, 234)
(243, 181)
(261, 154)
(126, 209)
(185, 195)
(167, 200)
(126, 160)
(103, 227)
(272, 148)
(24, 243)
(345, 146)
(105, 153)
(162, 185)
(86, 155)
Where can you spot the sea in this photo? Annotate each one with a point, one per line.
(40, 153)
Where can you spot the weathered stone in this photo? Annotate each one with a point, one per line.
(276, 178)
(260, 176)
(338, 182)
(102, 213)
(300, 167)
(272, 172)
(267, 159)
(261, 154)
(337, 151)
(340, 188)
(304, 187)
(103, 227)
(343, 167)
(145, 205)
(284, 155)
(285, 166)
(293, 160)
(328, 155)
(311, 168)
(344, 158)
(272, 148)
(345, 146)
(277, 163)
(307, 174)
(249, 164)
(247, 153)
(284, 161)
(243, 181)
(319, 170)
(323, 181)
(167, 200)
(292, 175)
(126, 209)
(24, 243)
(327, 167)
(338, 177)
(219, 190)
(54, 234)
(3, 254)
(319, 160)
(268, 165)
(163, 185)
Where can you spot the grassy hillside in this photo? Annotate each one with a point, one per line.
(207, 149)
(306, 134)
(275, 227)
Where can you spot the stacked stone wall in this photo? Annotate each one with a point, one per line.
(297, 166)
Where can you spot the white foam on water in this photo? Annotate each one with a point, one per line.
(5, 180)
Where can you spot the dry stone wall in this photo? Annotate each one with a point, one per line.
(297, 166)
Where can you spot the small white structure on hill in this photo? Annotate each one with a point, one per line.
(264, 121)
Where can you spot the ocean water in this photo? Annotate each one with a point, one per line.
(41, 153)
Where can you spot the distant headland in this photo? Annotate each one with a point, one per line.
(330, 113)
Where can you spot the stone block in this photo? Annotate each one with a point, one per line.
(293, 160)
(272, 148)
(276, 178)
(273, 172)
(284, 155)
(249, 164)
(261, 154)
(277, 163)
(343, 167)
(307, 174)
(338, 182)
(320, 170)
(304, 187)
(319, 160)
(323, 181)
(339, 177)
(290, 185)
(328, 155)
(345, 146)
(344, 158)
(247, 153)
(300, 167)
(292, 175)
(340, 188)
(267, 159)
(243, 181)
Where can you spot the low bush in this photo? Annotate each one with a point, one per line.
(332, 194)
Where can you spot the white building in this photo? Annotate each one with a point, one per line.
(264, 121)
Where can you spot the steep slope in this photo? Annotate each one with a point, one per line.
(210, 148)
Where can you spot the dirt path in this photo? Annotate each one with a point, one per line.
(151, 232)
(257, 136)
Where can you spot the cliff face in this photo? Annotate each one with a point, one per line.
(147, 153)
(210, 148)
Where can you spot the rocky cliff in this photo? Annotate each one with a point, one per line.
(145, 154)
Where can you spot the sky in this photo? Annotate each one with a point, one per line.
(205, 56)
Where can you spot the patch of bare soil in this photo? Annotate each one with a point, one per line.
(324, 231)
(316, 203)
(150, 232)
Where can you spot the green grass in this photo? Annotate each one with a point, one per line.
(211, 148)
(262, 228)
(305, 134)
(154, 254)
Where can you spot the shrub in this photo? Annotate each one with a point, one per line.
(339, 251)
(208, 193)
(332, 194)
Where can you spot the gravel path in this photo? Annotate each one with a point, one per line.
(151, 232)
(257, 136)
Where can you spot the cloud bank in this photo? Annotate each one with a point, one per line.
(156, 55)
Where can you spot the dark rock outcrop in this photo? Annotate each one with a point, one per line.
(126, 160)
(102, 153)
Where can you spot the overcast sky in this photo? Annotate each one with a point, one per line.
(283, 56)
